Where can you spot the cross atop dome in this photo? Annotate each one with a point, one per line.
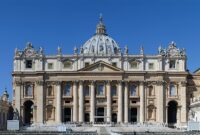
(101, 28)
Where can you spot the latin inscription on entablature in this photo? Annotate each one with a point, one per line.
(135, 78)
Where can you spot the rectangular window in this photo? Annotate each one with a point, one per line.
(87, 64)
(132, 90)
(29, 64)
(67, 90)
(67, 64)
(28, 91)
(151, 66)
(114, 64)
(113, 90)
(50, 65)
(86, 90)
(172, 91)
(100, 90)
(172, 64)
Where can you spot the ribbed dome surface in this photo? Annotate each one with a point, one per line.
(100, 44)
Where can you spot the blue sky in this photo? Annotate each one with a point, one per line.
(69, 23)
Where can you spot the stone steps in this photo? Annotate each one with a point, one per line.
(94, 133)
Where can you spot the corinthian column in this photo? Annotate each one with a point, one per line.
(142, 102)
(75, 102)
(160, 102)
(92, 103)
(126, 104)
(108, 101)
(17, 97)
(58, 102)
(40, 101)
(120, 106)
(183, 102)
(81, 102)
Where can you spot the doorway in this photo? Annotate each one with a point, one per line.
(87, 117)
(100, 112)
(133, 115)
(172, 112)
(114, 117)
(67, 114)
(28, 112)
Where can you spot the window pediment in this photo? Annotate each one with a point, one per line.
(101, 66)
(67, 63)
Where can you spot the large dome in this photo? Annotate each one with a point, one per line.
(101, 43)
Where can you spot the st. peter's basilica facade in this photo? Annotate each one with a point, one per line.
(100, 82)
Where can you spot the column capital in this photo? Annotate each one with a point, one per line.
(160, 82)
(57, 83)
(120, 81)
(183, 83)
(92, 82)
(75, 81)
(80, 81)
(141, 82)
(48, 83)
(108, 82)
(126, 82)
(18, 83)
(40, 83)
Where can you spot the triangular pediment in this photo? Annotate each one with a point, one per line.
(101, 66)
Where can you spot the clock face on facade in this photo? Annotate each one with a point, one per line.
(173, 52)
(30, 52)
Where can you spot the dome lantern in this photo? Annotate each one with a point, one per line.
(101, 28)
(100, 43)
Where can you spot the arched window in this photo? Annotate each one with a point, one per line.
(67, 90)
(113, 90)
(100, 91)
(132, 90)
(134, 64)
(87, 90)
(67, 64)
(28, 90)
(172, 91)
(151, 91)
(50, 91)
